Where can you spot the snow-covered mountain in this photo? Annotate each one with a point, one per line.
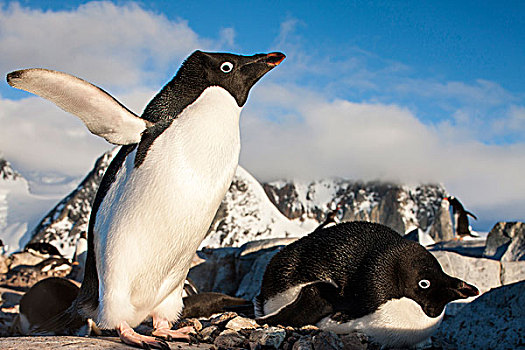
(63, 225)
(247, 214)
(251, 211)
(402, 207)
(20, 210)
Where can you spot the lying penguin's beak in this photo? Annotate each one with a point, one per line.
(465, 290)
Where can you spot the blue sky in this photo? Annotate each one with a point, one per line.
(418, 91)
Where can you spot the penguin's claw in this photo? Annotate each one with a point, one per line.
(129, 336)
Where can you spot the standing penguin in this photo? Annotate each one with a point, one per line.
(160, 193)
(461, 224)
(359, 276)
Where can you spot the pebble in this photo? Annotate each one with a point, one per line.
(268, 337)
(238, 323)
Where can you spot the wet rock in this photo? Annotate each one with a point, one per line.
(268, 337)
(238, 323)
(230, 339)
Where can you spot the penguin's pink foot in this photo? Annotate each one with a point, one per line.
(129, 336)
(163, 330)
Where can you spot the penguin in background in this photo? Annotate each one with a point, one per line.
(332, 218)
(160, 193)
(461, 224)
(359, 276)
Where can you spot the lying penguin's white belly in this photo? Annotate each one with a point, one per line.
(398, 322)
(154, 217)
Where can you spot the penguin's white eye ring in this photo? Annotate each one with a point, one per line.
(424, 284)
(227, 67)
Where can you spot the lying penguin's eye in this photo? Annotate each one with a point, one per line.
(424, 284)
(226, 67)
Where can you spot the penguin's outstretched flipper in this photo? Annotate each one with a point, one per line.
(469, 213)
(103, 115)
(310, 306)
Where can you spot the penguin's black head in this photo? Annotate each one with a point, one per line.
(454, 202)
(235, 73)
(422, 279)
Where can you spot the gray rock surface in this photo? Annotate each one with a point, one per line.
(66, 342)
(496, 320)
(506, 242)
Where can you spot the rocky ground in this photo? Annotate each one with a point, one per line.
(495, 320)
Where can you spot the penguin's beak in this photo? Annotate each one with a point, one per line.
(465, 290)
(274, 58)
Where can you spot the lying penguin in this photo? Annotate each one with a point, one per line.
(461, 224)
(359, 276)
(160, 193)
(44, 300)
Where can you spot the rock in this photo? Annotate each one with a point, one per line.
(506, 242)
(303, 343)
(496, 320)
(230, 339)
(209, 334)
(80, 343)
(222, 318)
(10, 297)
(4, 267)
(268, 337)
(24, 258)
(251, 282)
(190, 322)
(512, 271)
(238, 323)
(441, 229)
(473, 248)
(218, 272)
(354, 341)
(327, 341)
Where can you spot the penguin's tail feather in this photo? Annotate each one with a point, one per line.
(469, 213)
(68, 322)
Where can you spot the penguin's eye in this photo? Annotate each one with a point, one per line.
(227, 67)
(424, 284)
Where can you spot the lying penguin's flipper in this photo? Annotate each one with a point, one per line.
(103, 115)
(310, 306)
(469, 213)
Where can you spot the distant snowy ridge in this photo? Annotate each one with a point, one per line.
(19, 209)
(251, 211)
(63, 225)
(246, 214)
(401, 207)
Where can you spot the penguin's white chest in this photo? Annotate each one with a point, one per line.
(398, 322)
(154, 217)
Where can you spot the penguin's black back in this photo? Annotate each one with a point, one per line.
(361, 258)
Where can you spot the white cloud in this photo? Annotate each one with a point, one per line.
(317, 137)
(114, 45)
